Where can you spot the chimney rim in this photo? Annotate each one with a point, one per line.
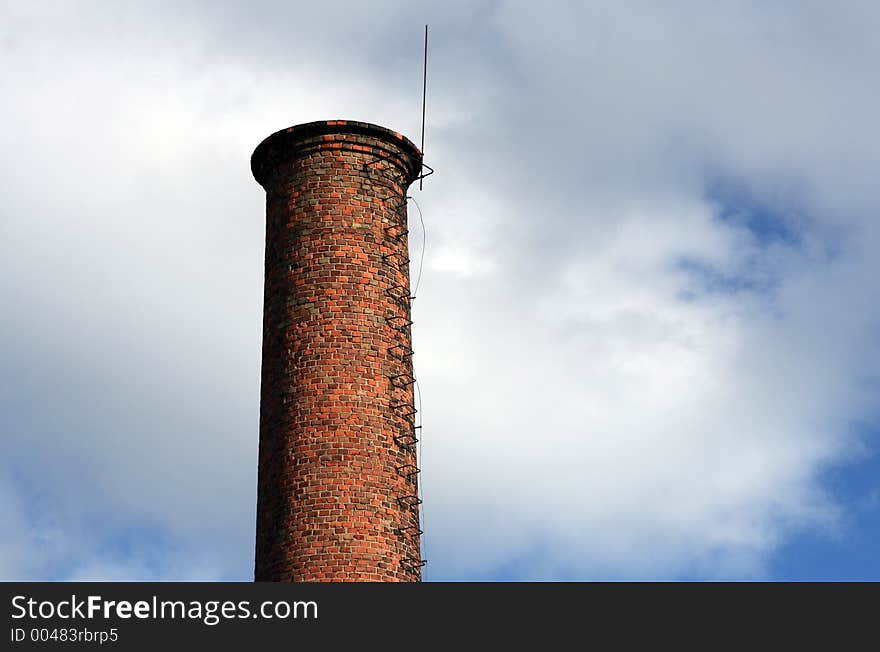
(286, 138)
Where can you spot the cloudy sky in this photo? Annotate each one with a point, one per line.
(648, 329)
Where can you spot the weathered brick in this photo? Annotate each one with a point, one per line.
(332, 502)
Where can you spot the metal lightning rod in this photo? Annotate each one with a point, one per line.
(424, 96)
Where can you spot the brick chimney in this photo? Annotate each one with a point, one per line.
(337, 488)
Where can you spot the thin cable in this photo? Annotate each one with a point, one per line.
(418, 387)
(419, 462)
(424, 244)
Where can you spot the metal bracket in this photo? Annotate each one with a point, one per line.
(408, 471)
(423, 175)
(397, 383)
(413, 563)
(408, 411)
(404, 322)
(399, 236)
(409, 501)
(406, 441)
(405, 351)
(400, 295)
(410, 531)
(404, 260)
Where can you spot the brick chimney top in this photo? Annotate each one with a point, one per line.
(326, 134)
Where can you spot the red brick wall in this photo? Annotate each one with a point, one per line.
(336, 498)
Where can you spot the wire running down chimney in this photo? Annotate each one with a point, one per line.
(338, 492)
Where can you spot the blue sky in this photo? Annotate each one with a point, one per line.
(647, 333)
